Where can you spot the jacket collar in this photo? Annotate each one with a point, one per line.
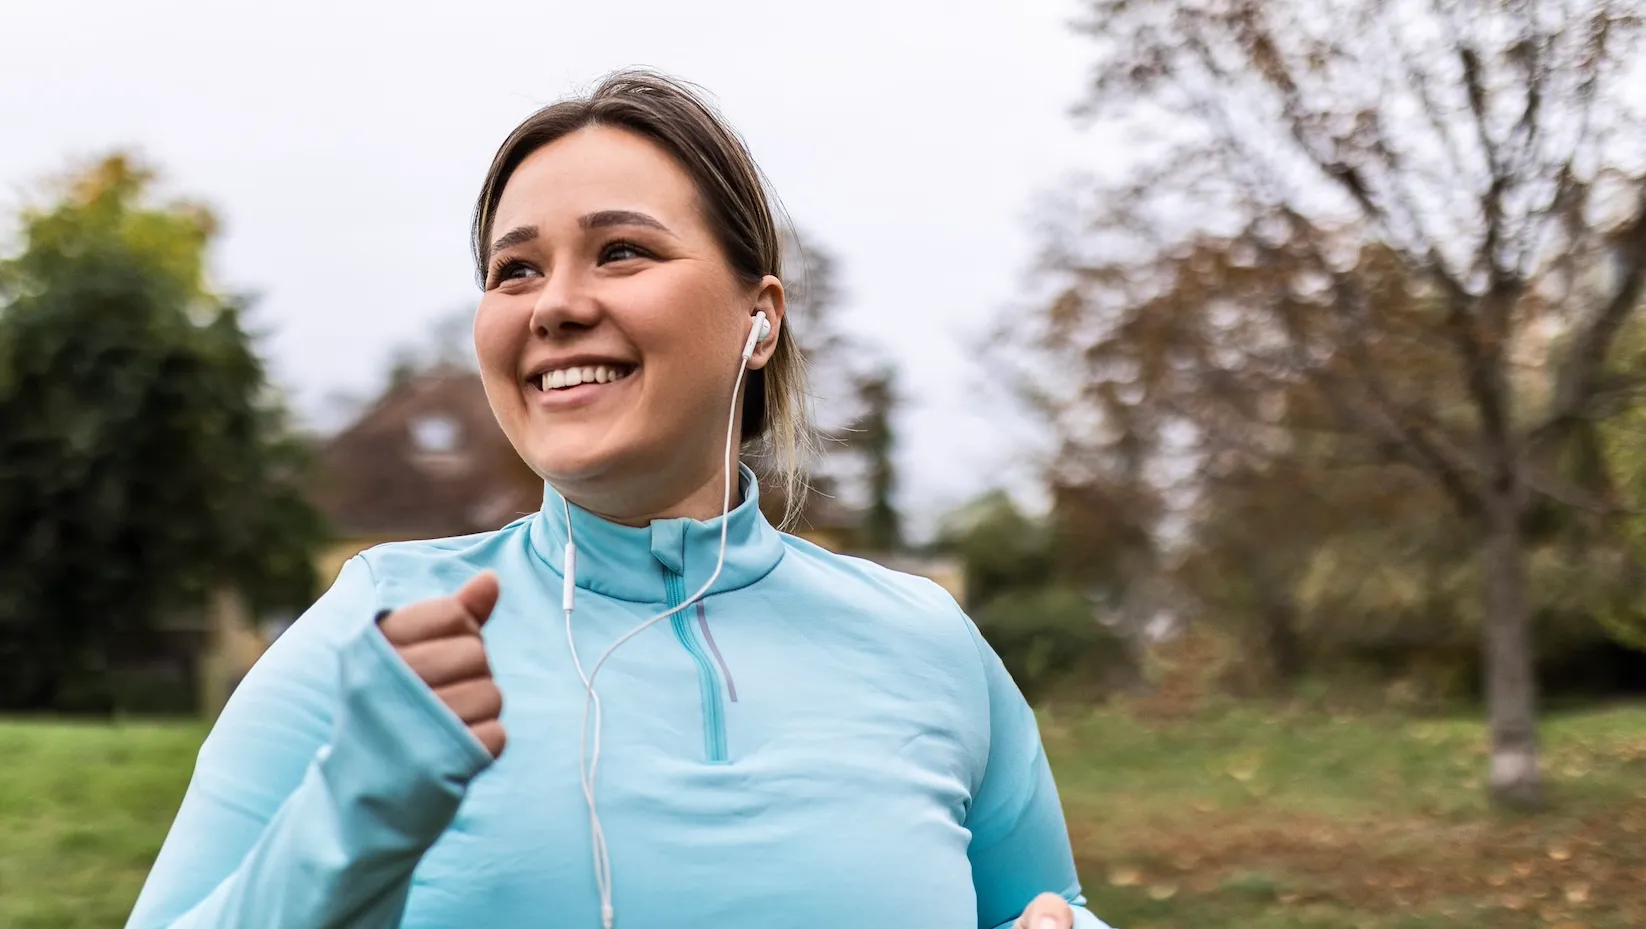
(632, 563)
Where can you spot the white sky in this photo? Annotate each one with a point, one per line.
(342, 143)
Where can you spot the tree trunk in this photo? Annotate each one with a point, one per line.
(1281, 644)
(1511, 685)
(1285, 652)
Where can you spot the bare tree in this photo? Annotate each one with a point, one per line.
(854, 395)
(1433, 215)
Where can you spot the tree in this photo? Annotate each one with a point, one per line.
(873, 437)
(1623, 444)
(1037, 608)
(855, 395)
(1314, 545)
(1319, 565)
(1457, 182)
(145, 461)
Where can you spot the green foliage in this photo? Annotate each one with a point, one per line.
(1622, 441)
(1050, 641)
(1036, 617)
(144, 458)
(1003, 549)
(1358, 572)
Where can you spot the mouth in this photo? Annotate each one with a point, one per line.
(571, 383)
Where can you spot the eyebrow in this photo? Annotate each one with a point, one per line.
(607, 218)
(519, 235)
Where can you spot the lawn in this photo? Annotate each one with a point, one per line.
(83, 809)
(1240, 816)
(1284, 819)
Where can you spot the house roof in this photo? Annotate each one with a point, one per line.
(426, 460)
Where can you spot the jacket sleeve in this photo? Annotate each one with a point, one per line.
(330, 772)
(1020, 844)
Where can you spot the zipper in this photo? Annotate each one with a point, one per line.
(708, 681)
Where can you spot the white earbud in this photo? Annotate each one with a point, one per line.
(589, 745)
(757, 333)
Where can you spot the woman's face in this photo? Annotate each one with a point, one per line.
(611, 328)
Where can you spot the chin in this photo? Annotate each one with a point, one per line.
(560, 463)
(571, 458)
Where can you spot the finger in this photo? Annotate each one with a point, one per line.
(448, 660)
(438, 618)
(1047, 911)
(474, 701)
(490, 733)
(479, 596)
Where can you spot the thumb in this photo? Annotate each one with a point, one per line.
(479, 596)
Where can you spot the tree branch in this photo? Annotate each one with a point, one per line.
(1382, 415)
(1580, 378)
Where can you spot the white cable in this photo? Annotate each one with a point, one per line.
(597, 835)
(589, 763)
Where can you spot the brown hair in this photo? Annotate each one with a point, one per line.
(733, 195)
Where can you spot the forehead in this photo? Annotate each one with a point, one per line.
(597, 168)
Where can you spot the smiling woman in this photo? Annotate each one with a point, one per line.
(708, 202)
(609, 260)
(785, 736)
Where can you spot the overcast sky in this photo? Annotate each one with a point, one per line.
(342, 143)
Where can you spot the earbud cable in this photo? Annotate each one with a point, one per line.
(588, 762)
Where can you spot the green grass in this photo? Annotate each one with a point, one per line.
(83, 810)
(1269, 818)
(1240, 816)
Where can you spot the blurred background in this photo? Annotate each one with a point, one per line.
(1264, 377)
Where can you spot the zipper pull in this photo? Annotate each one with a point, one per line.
(569, 582)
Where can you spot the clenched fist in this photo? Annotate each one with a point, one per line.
(440, 640)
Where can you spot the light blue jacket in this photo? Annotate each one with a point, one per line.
(822, 743)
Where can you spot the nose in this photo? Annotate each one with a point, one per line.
(564, 307)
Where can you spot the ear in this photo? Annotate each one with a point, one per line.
(769, 299)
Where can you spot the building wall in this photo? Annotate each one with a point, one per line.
(233, 645)
(948, 573)
(329, 562)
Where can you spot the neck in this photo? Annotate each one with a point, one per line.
(703, 498)
(702, 504)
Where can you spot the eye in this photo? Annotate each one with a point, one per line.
(509, 269)
(622, 251)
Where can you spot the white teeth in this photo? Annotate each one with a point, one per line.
(592, 374)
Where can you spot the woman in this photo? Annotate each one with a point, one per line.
(784, 738)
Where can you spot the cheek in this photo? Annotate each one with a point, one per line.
(687, 318)
(499, 332)
(688, 344)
